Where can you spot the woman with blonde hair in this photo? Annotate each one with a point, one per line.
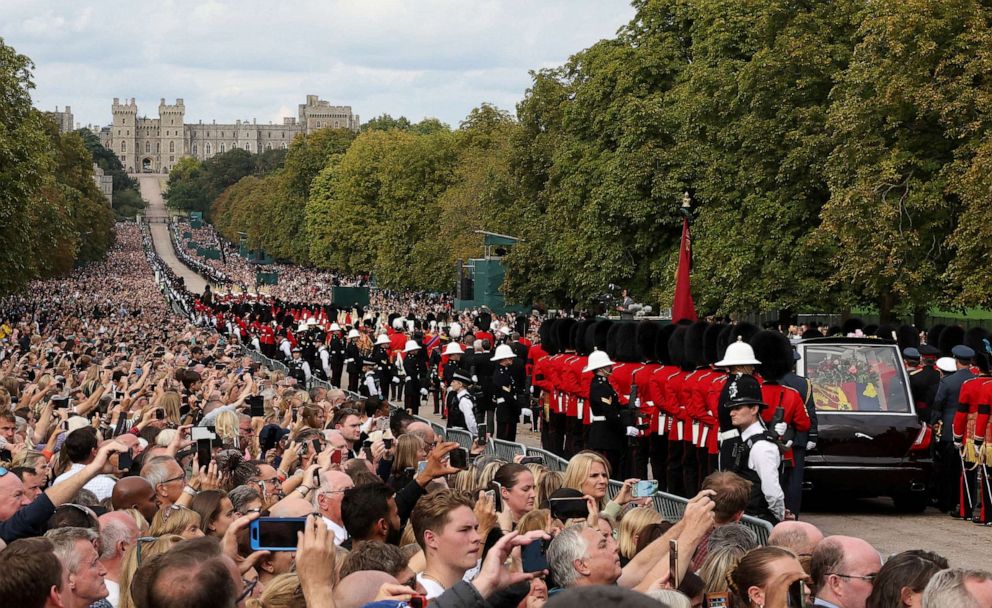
(633, 522)
(143, 549)
(538, 519)
(31, 459)
(717, 567)
(226, 425)
(410, 450)
(282, 591)
(763, 576)
(176, 519)
(170, 402)
(589, 473)
(488, 473)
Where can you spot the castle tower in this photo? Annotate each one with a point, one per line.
(171, 133)
(124, 133)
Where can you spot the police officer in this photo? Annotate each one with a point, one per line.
(415, 369)
(380, 354)
(756, 457)
(609, 430)
(462, 415)
(299, 368)
(505, 393)
(738, 360)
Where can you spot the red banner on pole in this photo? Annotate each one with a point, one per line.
(683, 307)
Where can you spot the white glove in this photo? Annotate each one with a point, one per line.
(408, 378)
(633, 431)
(475, 379)
(810, 445)
(423, 392)
(781, 428)
(396, 379)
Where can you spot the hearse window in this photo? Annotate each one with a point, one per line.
(856, 378)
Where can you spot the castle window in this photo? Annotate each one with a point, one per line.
(222, 148)
(283, 145)
(318, 124)
(148, 147)
(158, 148)
(123, 146)
(172, 146)
(248, 146)
(194, 149)
(206, 148)
(268, 146)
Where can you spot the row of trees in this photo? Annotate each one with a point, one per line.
(839, 154)
(53, 214)
(127, 201)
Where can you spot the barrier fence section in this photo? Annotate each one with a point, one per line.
(505, 450)
(463, 437)
(552, 461)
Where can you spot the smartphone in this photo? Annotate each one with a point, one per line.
(367, 448)
(159, 414)
(204, 451)
(531, 460)
(382, 424)
(497, 494)
(317, 448)
(483, 431)
(717, 600)
(336, 457)
(569, 508)
(421, 466)
(275, 533)
(295, 416)
(219, 366)
(125, 460)
(202, 432)
(458, 458)
(65, 425)
(534, 556)
(418, 601)
(256, 406)
(645, 488)
(673, 562)
(387, 442)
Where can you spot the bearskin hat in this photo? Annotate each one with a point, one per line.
(611, 340)
(661, 351)
(978, 339)
(627, 348)
(949, 338)
(548, 336)
(647, 335)
(933, 336)
(710, 342)
(852, 325)
(907, 337)
(885, 332)
(584, 338)
(521, 325)
(695, 347)
(564, 330)
(774, 351)
(676, 348)
(600, 332)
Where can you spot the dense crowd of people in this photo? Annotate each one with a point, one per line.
(149, 463)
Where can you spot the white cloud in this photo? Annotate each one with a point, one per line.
(257, 58)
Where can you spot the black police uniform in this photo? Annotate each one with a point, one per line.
(607, 433)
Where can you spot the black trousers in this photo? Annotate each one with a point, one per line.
(948, 475)
(336, 371)
(673, 468)
(506, 422)
(690, 469)
(794, 481)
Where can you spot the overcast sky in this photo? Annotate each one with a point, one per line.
(259, 58)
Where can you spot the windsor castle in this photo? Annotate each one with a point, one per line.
(155, 145)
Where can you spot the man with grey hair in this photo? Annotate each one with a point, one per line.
(959, 588)
(118, 532)
(168, 478)
(84, 579)
(843, 569)
(732, 535)
(327, 499)
(581, 555)
(424, 431)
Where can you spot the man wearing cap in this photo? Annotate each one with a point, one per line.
(757, 457)
(449, 366)
(353, 360)
(336, 355)
(299, 368)
(607, 432)
(505, 393)
(923, 377)
(380, 354)
(462, 415)
(945, 406)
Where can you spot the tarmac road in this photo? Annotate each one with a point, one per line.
(151, 191)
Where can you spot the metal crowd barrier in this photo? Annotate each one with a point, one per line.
(670, 506)
(504, 450)
(613, 488)
(463, 437)
(440, 431)
(551, 461)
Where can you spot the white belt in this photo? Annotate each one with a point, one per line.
(728, 435)
(597, 418)
(580, 405)
(695, 432)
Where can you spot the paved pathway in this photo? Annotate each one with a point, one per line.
(151, 191)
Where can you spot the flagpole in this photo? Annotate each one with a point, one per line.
(683, 306)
